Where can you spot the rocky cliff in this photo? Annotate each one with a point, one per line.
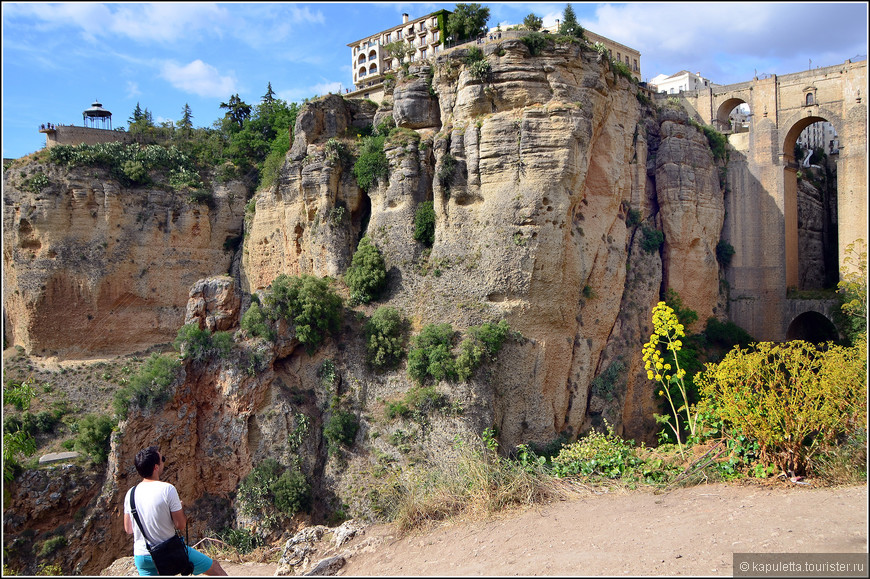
(93, 268)
(550, 177)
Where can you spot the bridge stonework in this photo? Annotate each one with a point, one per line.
(761, 220)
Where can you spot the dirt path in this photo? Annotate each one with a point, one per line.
(691, 531)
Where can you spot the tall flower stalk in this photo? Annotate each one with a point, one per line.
(667, 331)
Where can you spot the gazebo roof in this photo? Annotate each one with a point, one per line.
(97, 110)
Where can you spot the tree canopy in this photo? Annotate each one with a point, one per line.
(533, 22)
(569, 25)
(467, 21)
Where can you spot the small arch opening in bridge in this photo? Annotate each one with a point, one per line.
(811, 155)
(812, 327)
(733, 116)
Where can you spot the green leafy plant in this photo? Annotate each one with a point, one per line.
(292, 492)
(791, 398)
(51, 545)
(255, 322)
(446, 170)
(94, 432)
(652, 239)
(852, 290)
(385, 338)
(19, 394)
(430, 355)
(371, 164)
(309, 303)
(424, 223)
(724, 253)
(367, 275)
(199, 345)
(483, 343)
(597, 453)
(149, 387)
(340, 430)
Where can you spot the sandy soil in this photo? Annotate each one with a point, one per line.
(691, 531)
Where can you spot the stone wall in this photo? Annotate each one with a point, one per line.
(71, 135)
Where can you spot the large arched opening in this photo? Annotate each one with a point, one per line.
(810, 154)
(812, 327)
(733, 116)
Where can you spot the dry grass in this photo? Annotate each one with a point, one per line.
(478, 484)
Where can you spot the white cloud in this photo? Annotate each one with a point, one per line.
(199, 78)
(133, 89)
(165, 21)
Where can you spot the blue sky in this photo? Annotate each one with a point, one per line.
(59, 58)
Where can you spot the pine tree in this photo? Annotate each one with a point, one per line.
(569, 25)
(186, 122)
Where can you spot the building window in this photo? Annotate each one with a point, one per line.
(809, 98)
(635, 65)
(423, 53)
(389, 37)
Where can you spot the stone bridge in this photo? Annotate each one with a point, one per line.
(761, 220)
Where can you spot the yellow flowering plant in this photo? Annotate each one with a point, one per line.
(667, 334)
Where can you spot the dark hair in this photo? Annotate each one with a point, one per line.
(146, 460)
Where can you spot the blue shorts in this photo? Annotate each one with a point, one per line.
(201, 563)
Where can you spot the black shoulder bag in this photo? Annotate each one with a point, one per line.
(170, 556)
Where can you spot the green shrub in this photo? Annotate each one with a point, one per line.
(791, 398)
(634, 217)
(255, 498)
(292, 493)
(94, 432)
(724, 253)
(474, 54)
(652, 239)
(367, 275)
(51, 545)
(193, 343)
(536, 42)
(726, 334)
(19, 394)
(430, 354)
(482, 342)
(243, 540)
(340, 430)
(372, 163)
(256, 323)
(148, 388)
(424, 223)
(599, 454)
(480, 70)
(385, 338)
(417, 403)
(37, 183)
(445, 172)
(307, 302)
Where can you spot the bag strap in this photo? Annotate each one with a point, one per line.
(136, 517)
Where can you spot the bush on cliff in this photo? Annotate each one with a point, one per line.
(308, 303)
(94, 431)
(424, 223)
(371, 164)
(149, 388)
(385, 342)
(367, 275)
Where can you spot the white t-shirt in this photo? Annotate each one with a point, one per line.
(154, 502)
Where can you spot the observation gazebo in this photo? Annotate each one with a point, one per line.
(97, 117)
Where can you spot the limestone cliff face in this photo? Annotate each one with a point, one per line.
(550, 154)
(546, 175)
(93, 268)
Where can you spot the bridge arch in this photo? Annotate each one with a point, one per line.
(723, 113)
(823, 273)
(812, 327)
